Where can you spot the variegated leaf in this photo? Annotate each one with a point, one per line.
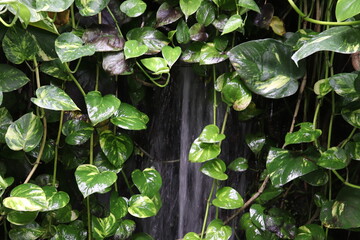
(18, 78)
(128, 117)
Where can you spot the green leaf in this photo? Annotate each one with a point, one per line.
(343, 39)
(157, 65)
(344, 85)
(281, 223)
(148, 181)
(21, 218)
(334, 158)
(117, 148)
(201, 152)
(310, 232)
(152, 38)
(210, 55)
(307, 133)
(141, 206)
(70, 47)
(210, 134)
(53, 98)
(322, 87)
(5, 121)
(344, 211)
(74, 230)
(18, 78)
(133, 49)
(351, 113)
(128, 117)
(31, 231)
(91, 7)
(170, 54)
(18, 45)
(249, 4)
(64, 215)
(265, 67)
(55, 69)
(228, 198)
(239, 165)
(192, 53)
(233, 23)
(316, 178)
(90, 180)
(198, 33)
(20, 9)
(77, 131)
(191, 236)
(125, 229)
(100, 107)
(103, 163)
(284, 166)
(133, 8)
(166, 14)
(26, 197)
(268, 194)
(182, 32)
(53, 5)
(353, 149)
(118, 206)
(141, 236)
(215, 169)
(206, 13)
(25, 133)
(189, 7)
(346, 9)
(255, 142)
(55, 199)
(103, 227)
(216, 230)
(236, 94)
(258, 216)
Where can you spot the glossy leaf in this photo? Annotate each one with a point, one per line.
(228, 198)
(141, 206)
(100, 107)
(210, 134)
(170, 54)
(118, 206)
(258, 216)
(18, 45)
(48, 151)
(53, 5)
(236, 94)
(334, 158)
(307, 133)
(166, 14)
(103, 164)
(31, 231)
(281, 223)
(343, 39)
(25, 133)
(75, 230)
(316, 178)
(353, 149)
(77, 131)
(115, 64)
(346, 9)
(5, 121)
(157, 65)
(141, 236)
(233, 23)
(215, 169)
(70, 47)
(128, 117)
(284, 166)
(152, 38)
(55, 199)
(103, 227)
(53, 98)
(268, 194)
(21, 218)
(133, 8)
(198, 33)
(265, 67)
(90, 180)
(91, 7)
(351, 113)
(117, 148)
(189, 7)
(148, 181)
(255, 142)
(125, 229)
(216, 230)
(239, 165)
(192, 53)
(201, 152)
(206, 13)
(310, 232)
(191, 236)
(64, 215)
(182, 32)
(104, 38)
(249, 4)
(210, 55)
(23, 11)
(26, 197)
(18, 78)
(55, 69)
(322, 87)
(133, 49)
(344, 85)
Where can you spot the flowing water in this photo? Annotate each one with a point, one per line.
(181, 111)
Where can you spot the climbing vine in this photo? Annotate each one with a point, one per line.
(74, 73)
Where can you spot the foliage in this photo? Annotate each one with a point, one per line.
(73, 123)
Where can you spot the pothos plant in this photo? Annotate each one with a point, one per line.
(66, 135)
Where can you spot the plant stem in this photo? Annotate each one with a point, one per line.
(344, 181)
(115, 21)
(56, 155)
(97, 78)
(75, 80)
(127, 182)
(153, 80)
(215, 97)
(91, 153)
(72, 16)
(207, 209)
(88, 217)
(348, 138)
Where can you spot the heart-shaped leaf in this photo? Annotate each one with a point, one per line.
(255, 142)
(265, 67)
(216, 230)
(133, 8)
(48, 151)
(55, 69)
(21, 218)
(18, 78)
(53, 5)
(53, 98)
(210, 55)
(167, 14)
(70, 47)
(25, 133)
(147, 181)
(189, 7)
(210, 134)
(201, 152)
(344, 85)
(157, 65)
(103, 163)
(26, 197)
(133, 49)
(75, 230)
(233, 23)
(5, 121)
(239, 165)
(228, 198)
(236, 94)
(307, 133)
(334, 158)
(215, 169)
(91, 7)
(103, 227)
(31, 231)
(152, 38)
(310, 232)
(117, 148)
(125, 229)
(55, 199)
(171, 54)
(100, 107)
(118, 206)
(128, 117)
(206, 13)
(191, 236)
(115, 64)
(77, 131)
(141, 206)
(249, 4)
(351, 113)
(90, 180)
